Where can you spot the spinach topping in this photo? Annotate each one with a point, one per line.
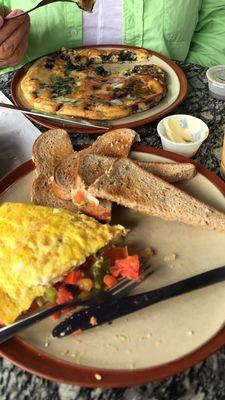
(106, 57)
(49, 65)
(77, 58)
(126, 55)
(62, 86)
(78, 67)
(50, 62)
(101, 71)
(65, 57)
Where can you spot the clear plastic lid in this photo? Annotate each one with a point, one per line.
(216, 74)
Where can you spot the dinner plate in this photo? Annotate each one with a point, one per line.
(152, 343)
(176, 83)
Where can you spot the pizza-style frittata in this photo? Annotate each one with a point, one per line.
(85, 83)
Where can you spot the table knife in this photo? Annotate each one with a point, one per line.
(58, 118)
(116, 308)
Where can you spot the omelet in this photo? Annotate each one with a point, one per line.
(38, 247)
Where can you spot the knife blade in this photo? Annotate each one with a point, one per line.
(73, 121)
(116, 308)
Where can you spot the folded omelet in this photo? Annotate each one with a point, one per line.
(38, 246)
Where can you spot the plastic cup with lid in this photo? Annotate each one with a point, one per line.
(216, 81)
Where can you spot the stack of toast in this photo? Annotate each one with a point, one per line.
(92, 179)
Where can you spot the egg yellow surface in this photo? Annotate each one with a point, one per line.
(38, 246)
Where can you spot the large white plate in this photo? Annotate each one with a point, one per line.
(159, 334)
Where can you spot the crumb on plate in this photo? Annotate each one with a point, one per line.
(64, 353)
(120, 337)
(98, 377)
(170, 258)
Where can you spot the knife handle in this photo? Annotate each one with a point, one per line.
(116, 308)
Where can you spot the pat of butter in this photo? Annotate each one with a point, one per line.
(184, 130)
(176, 132)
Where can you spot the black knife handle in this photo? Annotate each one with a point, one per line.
(116, 308)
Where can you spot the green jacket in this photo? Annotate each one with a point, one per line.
(192, 30)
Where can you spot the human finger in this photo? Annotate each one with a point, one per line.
(18, 55)
(8, 47)
(10, 26)
(3, 12)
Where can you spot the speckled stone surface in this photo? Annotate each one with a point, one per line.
(205, 381)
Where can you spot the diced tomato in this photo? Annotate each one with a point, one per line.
(73, 277)
(67, 310)
(109, 280)
(56, 315)
(79, 197)
(93, 321)
(63, 296)
(77, 332)
(116, 253)
(128, 267)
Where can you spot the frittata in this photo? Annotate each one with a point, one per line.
(85, 83)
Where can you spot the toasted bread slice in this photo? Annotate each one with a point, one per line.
(49, 149)
(102, 209)
(170, 172)
(64, 176)
(42, 194)
(62, 187)
(92, 166)
(86, 168)
(116, 143)
(129, 185)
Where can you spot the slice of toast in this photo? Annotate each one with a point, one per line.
(102, 209)
(91, 166)
(116, 143)
(49, 149)
(42, 194)
(129, 185)
(86, 168)
(86, 203)
(64, 176)
(170, 172)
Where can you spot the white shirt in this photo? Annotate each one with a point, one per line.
(104, 25)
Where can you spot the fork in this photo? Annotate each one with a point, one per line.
(40, 4)
(122, 288)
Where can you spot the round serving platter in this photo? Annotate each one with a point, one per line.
(168, 337)
(177, 90)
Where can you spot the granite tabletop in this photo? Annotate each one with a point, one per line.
(205, 381)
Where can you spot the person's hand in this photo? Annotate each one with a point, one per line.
(13, 38)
